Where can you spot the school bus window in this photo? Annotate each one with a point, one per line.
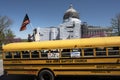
(53, 54)
(88, 52)
(16, 54)
(76, 50)
(35, 54)
(75, 53)
(44, 53)
(101, 51)
(54, 51)
(113, 51)
(8, 55)
(65, 53)
(25, 54)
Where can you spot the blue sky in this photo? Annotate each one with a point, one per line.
(46, 13)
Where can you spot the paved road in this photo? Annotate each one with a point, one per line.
(15, 77)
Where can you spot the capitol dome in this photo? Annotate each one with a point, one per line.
(71, 12)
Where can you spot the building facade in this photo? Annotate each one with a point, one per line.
(71, 28)
(95, 31)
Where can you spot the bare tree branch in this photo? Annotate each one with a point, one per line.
(5, 31)
(116, 24)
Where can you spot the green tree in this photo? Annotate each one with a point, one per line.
(116, 24)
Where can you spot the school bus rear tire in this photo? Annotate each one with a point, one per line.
(46, 75)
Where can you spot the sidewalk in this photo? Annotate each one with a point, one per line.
(1, 67)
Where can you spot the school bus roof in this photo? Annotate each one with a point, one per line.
(71, 43)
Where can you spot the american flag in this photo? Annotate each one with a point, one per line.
(24, 23)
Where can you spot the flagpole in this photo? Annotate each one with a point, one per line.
(30, 21)
(31, 26)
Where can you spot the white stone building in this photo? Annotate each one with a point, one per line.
(70, 28)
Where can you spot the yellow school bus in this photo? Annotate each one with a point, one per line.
(47, 59)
